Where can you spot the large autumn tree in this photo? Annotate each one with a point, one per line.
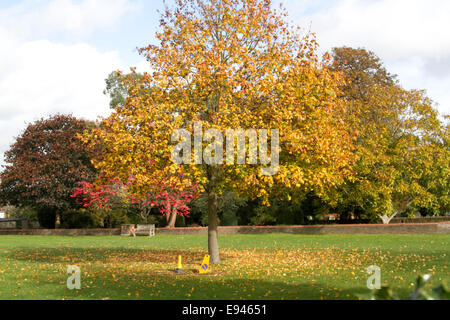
(44, 165)
(402, 149)
(229, 64)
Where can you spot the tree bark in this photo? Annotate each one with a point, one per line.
(144, 212)
(173, 217)
(57, 220)
(213, 241)
(386, 219)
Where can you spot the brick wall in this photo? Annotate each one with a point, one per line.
(405, 228)
(8, 224)
(62, 232)
(420, 220)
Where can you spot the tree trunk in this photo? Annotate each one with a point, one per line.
(58, 221)
(386, 219)
(144, 212)
(213, 242)
(168, 214)
(173, 217)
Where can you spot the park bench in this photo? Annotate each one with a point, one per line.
(141, 229)
(145, 229)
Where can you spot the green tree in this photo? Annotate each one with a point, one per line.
(400, 143)
(117, 88)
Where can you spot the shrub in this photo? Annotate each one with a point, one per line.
(419, 293)
(77, 219)
(27, 213)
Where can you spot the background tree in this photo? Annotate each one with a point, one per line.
(44, 165)
(227, 206)
(400, 145)
(115, 195)
(117, 88)
(230, 64)
(363, 71)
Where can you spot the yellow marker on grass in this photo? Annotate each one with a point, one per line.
(205, 267)
(179, 268)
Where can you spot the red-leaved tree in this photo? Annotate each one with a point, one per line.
(171, 201)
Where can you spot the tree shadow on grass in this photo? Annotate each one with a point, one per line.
(106, 255)
(126, 274)
(141, 286)
(130, 273)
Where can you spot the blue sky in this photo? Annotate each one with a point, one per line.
(55, 54)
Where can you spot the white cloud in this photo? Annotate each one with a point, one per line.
(41, 77)
(44, 78)
(33, 19)
(418, 72)
(398, 29)
(143, 66)
(50, 77)
(411, 36)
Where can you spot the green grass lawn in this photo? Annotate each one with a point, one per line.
(271, 266)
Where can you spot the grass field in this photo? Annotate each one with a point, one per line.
(271, 266)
